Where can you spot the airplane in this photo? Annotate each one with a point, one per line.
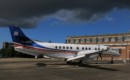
(68, 52)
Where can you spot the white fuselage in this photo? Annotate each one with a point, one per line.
(58, 50)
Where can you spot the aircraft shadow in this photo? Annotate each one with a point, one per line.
(94, 66)
(98, 67)
(83, 65)
(44, 65)
(41, 64)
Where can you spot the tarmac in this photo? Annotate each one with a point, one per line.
(57, 69)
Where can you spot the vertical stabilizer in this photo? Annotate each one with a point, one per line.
(18, 36)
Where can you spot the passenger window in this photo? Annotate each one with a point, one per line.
(86, 48)
(77, 48)
(82, 48)
(95, 48)
(59, 47)
(89, 48)
(70, 47)
(56, 47)
(67, 47)
(63, 47)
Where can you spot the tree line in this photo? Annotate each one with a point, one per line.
(9, 52)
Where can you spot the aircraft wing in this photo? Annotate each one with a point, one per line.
(82, 54)
(93, 54)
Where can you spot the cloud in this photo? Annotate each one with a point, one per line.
(29, 12)
(108, 18)
(54, 23)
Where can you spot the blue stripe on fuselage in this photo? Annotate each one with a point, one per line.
(35, 45)
(39, 46)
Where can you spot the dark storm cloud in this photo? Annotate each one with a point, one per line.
(29, 12)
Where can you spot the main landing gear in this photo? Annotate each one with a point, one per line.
(79, 63)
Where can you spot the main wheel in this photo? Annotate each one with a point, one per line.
(80, 63)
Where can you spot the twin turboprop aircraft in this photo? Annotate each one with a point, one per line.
(69, 52)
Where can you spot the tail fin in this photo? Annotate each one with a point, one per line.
(18, 36)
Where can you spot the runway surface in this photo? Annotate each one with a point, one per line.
(54, 69)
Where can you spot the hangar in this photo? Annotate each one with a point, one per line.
(119, 42)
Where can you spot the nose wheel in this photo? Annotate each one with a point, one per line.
(112, 60)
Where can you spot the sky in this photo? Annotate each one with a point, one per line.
(54, 20)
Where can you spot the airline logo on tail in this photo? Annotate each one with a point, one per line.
(16, 33)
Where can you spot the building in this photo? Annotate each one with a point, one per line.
(7, 44)
(118, 42)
